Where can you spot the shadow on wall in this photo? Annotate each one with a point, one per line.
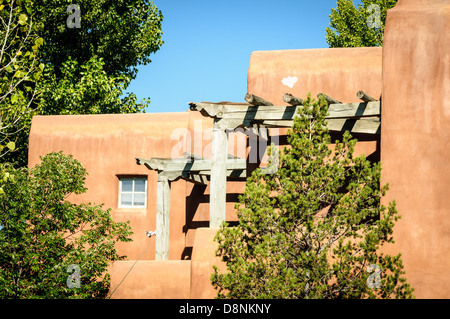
(194, 200)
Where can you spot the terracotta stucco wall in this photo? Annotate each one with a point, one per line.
(107, 145)
(415, 139)
(337, 72)
(151, 279)
(203, 260)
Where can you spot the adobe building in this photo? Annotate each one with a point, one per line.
(163, 172)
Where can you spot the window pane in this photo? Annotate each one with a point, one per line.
(127, 185)
(125, 200)
(139, 200)
(139, 185)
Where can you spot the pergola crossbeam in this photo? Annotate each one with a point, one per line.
(247, 114)
(188, 165)
(364, 126)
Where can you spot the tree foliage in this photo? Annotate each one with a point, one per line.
(48, 68)
(20, 69)
(88, 69)
(312, 229)
(123, 33)
(86, 89)
(43, 234)
(361, 26)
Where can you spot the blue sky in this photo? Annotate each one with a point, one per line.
(208, 45)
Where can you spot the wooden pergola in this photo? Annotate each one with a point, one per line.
(257, 115)
(192, 168)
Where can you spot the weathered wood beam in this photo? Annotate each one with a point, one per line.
(353, 110)
(329, 99)
(258, 130)
(256, 100)
(162, 218)
(236, 167)
(157, 164)
(195, 178)
(218, 182)
(292, 100)
(366, 126)
(237, 173)
(365, 97)
(227, 103)
(180, 165)
(243, 112)
(194, 157)
(278, 123)
(211, 109)
(247, 114)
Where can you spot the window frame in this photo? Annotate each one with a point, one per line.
(133, 192)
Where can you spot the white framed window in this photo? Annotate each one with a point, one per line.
(132, 192)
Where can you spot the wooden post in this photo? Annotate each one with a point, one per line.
(162, 217)
(218, 183)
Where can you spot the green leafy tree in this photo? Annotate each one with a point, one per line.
(45, 239)
(5, 176)
(95, 63)
(123, 33)
(20, 69)
(88, 69)
(86, 89)
(314, 228)
(361, 26)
